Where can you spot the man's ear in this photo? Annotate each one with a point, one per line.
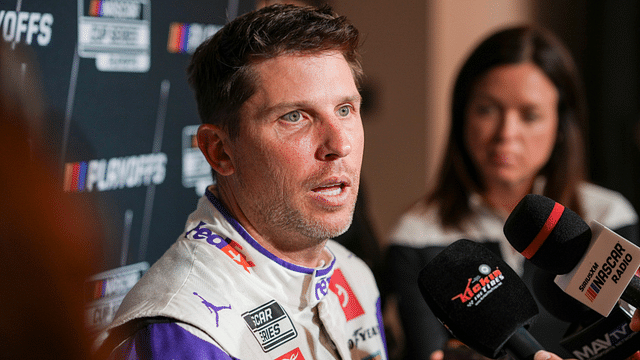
(213, 142)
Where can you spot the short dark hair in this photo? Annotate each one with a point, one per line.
(566, 167)
(221, 69)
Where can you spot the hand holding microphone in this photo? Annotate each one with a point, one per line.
(635, 322)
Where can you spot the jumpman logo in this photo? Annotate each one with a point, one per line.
(212, 308)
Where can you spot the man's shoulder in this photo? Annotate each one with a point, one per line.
(167, 288)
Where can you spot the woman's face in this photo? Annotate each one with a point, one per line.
(511, 124)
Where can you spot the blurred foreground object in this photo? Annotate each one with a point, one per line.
(46, 242)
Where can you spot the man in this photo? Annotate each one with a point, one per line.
(254, 275)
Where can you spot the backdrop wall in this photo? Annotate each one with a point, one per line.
(121, 119)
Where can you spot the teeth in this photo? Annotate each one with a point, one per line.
(332, 190)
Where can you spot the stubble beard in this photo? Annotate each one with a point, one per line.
(285, 218)
(311, 228)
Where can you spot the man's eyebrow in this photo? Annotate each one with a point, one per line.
(354, 98)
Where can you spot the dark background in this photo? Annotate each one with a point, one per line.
(95, 115)
(604, 38)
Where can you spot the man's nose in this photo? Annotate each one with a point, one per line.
(335, 140)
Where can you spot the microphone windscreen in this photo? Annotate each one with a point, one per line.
(477, 296)
(550, 235)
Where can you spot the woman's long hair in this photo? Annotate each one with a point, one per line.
(566, 167)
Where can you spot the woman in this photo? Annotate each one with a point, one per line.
(517, 117)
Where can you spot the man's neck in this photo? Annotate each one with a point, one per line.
(291, 249)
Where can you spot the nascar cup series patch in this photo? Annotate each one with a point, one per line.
(270, 325)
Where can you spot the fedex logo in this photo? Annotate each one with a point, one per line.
(348, 300)
(227, 246)
(322, 287)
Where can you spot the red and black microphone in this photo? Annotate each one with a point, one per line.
(550, 235)
(481, 300)
(594, 265)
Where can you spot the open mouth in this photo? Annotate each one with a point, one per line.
(331, 189)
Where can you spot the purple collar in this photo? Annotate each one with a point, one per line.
(236, 225)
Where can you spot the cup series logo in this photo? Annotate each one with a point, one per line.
(481, 286)
(271, 326)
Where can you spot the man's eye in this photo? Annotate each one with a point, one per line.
(293, 116)
(344, 111)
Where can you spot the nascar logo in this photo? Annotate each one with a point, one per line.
(115, 9)
(592, 292)
(614, 266)
(185, 38)
(115, 282)
(115, 173)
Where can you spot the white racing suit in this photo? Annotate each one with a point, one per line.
(218, 294)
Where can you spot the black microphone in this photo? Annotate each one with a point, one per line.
(558, 303)
(481, 300)
(590, 335)
(594, 265)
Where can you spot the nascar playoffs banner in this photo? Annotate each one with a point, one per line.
(121, 119)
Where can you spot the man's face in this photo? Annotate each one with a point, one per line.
(298, 156)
